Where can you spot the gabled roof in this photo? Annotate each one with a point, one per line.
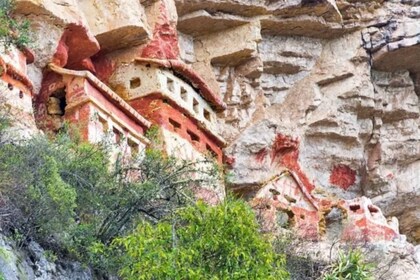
(108, 93)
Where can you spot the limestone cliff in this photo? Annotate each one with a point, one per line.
(335, 84)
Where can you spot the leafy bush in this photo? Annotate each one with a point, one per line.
(68, 196)
(42, 202)
(12, 32)
(202, 242)
(350, 266)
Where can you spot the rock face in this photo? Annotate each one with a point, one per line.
(35, 263)
(326, 91)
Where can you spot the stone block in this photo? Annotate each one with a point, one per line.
(201, 22)
(116, 24)
(230, 47)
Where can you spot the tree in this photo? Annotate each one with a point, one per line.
(201, 242)
(68, 196)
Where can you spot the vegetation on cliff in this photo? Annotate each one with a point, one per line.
(136, 217)
(12, 31)
(202, 242)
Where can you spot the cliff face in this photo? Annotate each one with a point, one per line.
(340, 79)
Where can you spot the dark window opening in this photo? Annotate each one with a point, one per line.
(184, 94)
(135, 83)
(104, 124)
(171, 86)
(354, 207)
(174, 123)
(57, 102)
(207, 115)
(196, 106)
(302, 216)
(289, 198)
(211, 151)
(165, 101)
(20, 94)
(373, 209)
(134, 147)
(10, 86)
(194, 137)
(118, 135)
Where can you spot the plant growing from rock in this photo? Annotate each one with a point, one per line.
(12, 31)
(350, 266)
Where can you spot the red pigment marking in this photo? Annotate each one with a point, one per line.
(261, 154)
(343, 176)
(193, 77)
(61, 55)
(76, 44)
(81, 115)
(85, 64)
(164, 44)
(171, 118)
(230, 161)
(285, 150)
(105, 67)
(29, 54)
(365, 230)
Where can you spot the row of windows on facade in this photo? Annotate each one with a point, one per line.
(187, 98)
(193, 136)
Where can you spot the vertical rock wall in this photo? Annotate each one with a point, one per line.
(339, 77)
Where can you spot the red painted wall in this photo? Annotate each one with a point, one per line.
(79, 89)
(158, 112)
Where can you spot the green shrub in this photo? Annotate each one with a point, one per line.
(12, 32)
(202, 242)
(66, 194)
(43, 202)
(350, 266)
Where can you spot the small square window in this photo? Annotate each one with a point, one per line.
(196, 106)
(207, 115)
(184, 94)
(135, 83)
(174, 123)
(193, 136)
(170, 85)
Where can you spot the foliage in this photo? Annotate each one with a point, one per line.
(202, 242)
(12, 32)
(68, 196)
(33, 185)
(350, 266)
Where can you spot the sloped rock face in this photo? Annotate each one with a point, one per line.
(338, 81)
(33, 263)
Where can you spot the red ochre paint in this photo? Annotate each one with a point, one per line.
(343, 176)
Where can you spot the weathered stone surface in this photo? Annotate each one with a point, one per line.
(32, 263)
(58, 12)
(116, 24)
(201, 22)
(327, 89)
